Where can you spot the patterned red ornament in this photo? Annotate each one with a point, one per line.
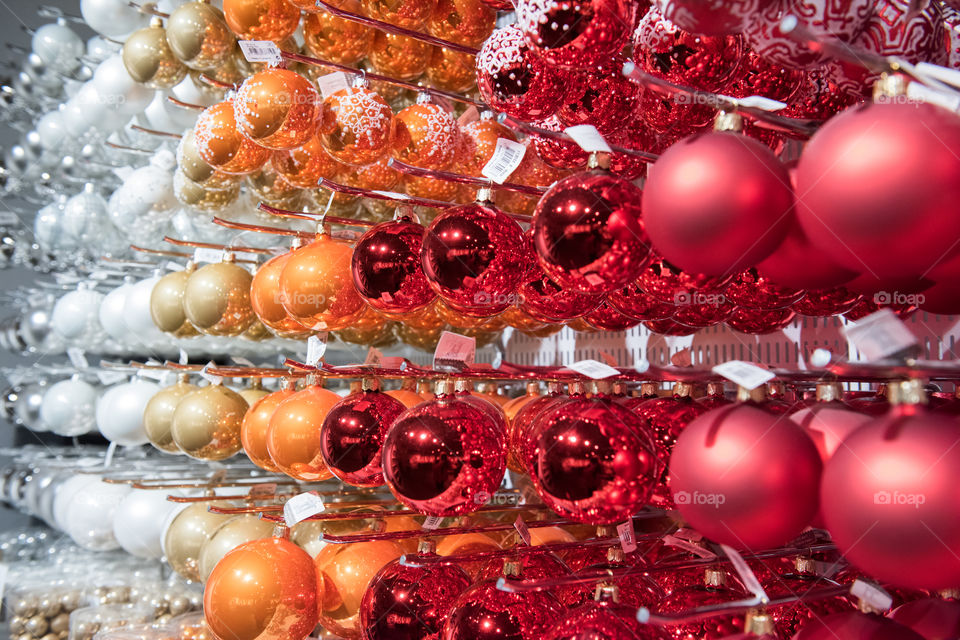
(754, 291)
(826, 302)
(562, 154)
(607, 318)
(917, 37)
(545, 300)
(758, 321)
(483, 611)
(633, 301)
(853, 624)
(386, 267)
(711, 17)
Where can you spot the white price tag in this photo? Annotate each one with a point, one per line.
(174, 266)
(593, 369)
(184, 358)
(241, 361)
(8, 219)
(432, 522)
(880, 334)
(316, 347)
(393, 195)
(628, 541)
(588, 138)
(263, 490)
(506, 157)
(77, 358)
(759, 102)
(331, 83)
(108, 378)
(695, 549)
(152, 374)
(260, 51)
(522, 530)
(209, 377)
(454, 351)
(299, 508)
(206, 254)
(374, 357)
(744, 374)
(108, 459)
(747, 577)
(873, 595)
(948, 101)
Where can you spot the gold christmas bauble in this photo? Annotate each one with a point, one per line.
(467, 22)
(199, 36)
(261, 19)
(337, 39)
(206, 423)
(254, 392)
(149, 59)
(217, 299)
(198, 170)
(190, 194)
(409, 14)
(158, 414)
(166, 304)
(228, 536)
(185, 536)
(452, 70)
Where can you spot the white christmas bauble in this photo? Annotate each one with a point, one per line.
(99, 49)
(27, 407)
(69, 407)
(75, 316)
(65, 495)
(195, 225)
(48, 228)
(136, 313)
(120, 412)
(89, 518)
(58, 46)
(82, 111)
(112, 18)
(52, 130)
(111, 313)
(146, 195)
(83, 215)
(117, 89)
(188, 91)
(138, 522)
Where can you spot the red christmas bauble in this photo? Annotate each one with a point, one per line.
(754, 291)
(352, 436)
(484, 612)
(932, 618)
(532, 566)
(633, 301)
(440, 455)
(877, 182)
(576, 34)
(717, 203)
(669, 327)
(828, 424)
(789, 618)
(666, 283)
(853, 624)
(918, 36)
(588, 232)
(799, 264)
(757, 76)
(473, 257)
(888, 498)
(607, 318)
(942, 298)
(745, 477)
(511, 78)
(595, 461)
(601, 96)
(411, 603)
(386, 267)
(819, 98)
(604, 620)
(703, 309)
(718, 588)
(711, 17)
(523, 428)
(758, 321)
(825, 303)
(545, 300)
(562, 154)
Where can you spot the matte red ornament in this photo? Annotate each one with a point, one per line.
(798, 264)
(484, 612)
(386, 267)
(576, 34)
(828, 424)
(853, 624)
(545, 300)
(825, 303)
(588, 232)
(511, 78)
(607, 318)
(559, 153)
(601, 96)
(932, 618)
(759, 321)
(942, 298)
(633, 301)
(889, 497)
(438, 456)
(717, 203)
(754, 291)
(473, 257)
(605, 620)
(745, 477)
(711, 17)
(595, 461)
(877, 182)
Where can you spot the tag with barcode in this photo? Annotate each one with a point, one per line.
(747, 577)
(77, 358)
(331, 83)
(628, 541)
(880, 335)
(432, 522)
(588, 138)
(593, 369)
(507, 156)
(522, 530)
(454, 351)
(374, 357)
(206, 254)
(744, 374)
(209, 377)
(316, 347)
(697, 550)
(263, 490)
(260, 51)
(299, 508)
(873, 595)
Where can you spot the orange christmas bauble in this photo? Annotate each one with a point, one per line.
(409, 14)
(221, 144)
(425, 135)
(452, 70)
(304, 166)
(357, 126)
(406, 397)
(431, 188)
(337, 39)
(376, 176)
(277, 109)
(261, 19)
(520, 320)
(420, 337)
(399, 56)
(293, 435)
(468, 22)
(479, 141)
(253, 431)
(265, 298)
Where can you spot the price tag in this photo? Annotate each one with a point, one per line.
(588, 138)
(593, 369)
(468, 116)
(507, 156)
(174, 266)
(77, 358)
(522, 530)
(628, 541)
(695, 549)
(393, 362)
(393, 195)
(209, 377)
(152, 374)
(331, 83)
(260, 51)
(299, 508)
(918, 91)
(316, 347)
(8, 219)
(432, 522)
(880, 335)
(874, 596)
(108, 378)
(243, 362)
(454, 351)
(263, 490)
(688, 534)
(108, 459)
(374, 357)
(744, 374)
(206, 254)
(759, 102)
(746, 574)
(184, 358)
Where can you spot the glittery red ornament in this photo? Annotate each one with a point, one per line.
(545, 300)
(386, 267)
(595, 461)
(438, 456)
(484, 612)
(853, 624)
(888, 498)
(473, 258)
(511, 78)
(633, 301)
(664, 282)
(797, 263)
(818, 98)
(885, 213)
(745, 477)
(352, 436)
(576, 34)
(711, 17)
(669, 327)
(410, 603)
(825, 303)
(758, 321)
(589, 233)
(703, 309)
(717, 587)
(607, 318)
(604, 620)
(562, 154)
(930, 617)
(789, 618)
(601, 96)
(754, 291)
(717, 203)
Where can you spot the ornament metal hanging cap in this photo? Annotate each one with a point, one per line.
(728, 121)
(598, 160)
(759, 623)
(829, 391)
(906, 392)
(889, 85)
(752, 395)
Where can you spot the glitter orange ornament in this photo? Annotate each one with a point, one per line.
(425, 135)
(468, 22)
(253, 430)
(357, 126)
(293, 435)
(432, 188)
(277, 109)
(261, 19)
(452, 70)
(399, 56)
(265, 298)
(221, 144)
(409, 14)
(337, 39)
(304, 166)
(376, 176)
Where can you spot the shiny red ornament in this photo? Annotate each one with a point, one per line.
(607, 318)
(473, 257)
(713, 587)
(595, 461)
(889, 498)
(601, 96)
(484, 612)
(440, 455)
(754, 291)
(576, 34)
(633, 301)
(703, 309)
(386, 267)
(605, 620)
(932, 618)
(799, 264)
(711, 17)
(523, 428)
(588, 231)
(790, 618)
(717, 203)
(545, 300)
(715, 397)
(825, 303)
(511, 78)
(559, 153)
(759, 321)
(853, 624)
(878, 181)
(664, 282)
(757, 76)
(745, 477)
(819, 98)
(669, 327)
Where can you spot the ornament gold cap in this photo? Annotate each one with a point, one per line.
(619, 388)
(554, 387)
(728, 121)
(829, 391)
(889, 85)
(511, 568)
(953, 593)
(759, 623)
(575, 388)
(714, 577)
(603, 387)
(605, 531)
(183, 378)
(649, 389)
(714, 388)
(484, 195)
(615, 555)
(461, 385)
(682, 389)
(443, 387)
(752, 395)
(426, 547)
(370, 384)
(355, 386)
(408, 384)
(606, 592)
(598, 160)
(906, 392)
(804, 564)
